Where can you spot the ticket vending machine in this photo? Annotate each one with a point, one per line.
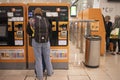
(58, 15)
(12, 36)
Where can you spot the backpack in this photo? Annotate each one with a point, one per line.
(41, 29)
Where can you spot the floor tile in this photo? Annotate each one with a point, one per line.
(76, 72)
(1, 77)
(30, 78)
(33, 77)
(79, 78)
(14, 77)
(13, 72)
(60, 73)
(57, 77)
(30, 73)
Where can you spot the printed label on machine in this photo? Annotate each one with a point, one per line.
(52, 14)
(62, 42)
(58, 53)
(11, 53)
(18, 42)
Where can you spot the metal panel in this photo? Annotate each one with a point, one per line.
(12, 65)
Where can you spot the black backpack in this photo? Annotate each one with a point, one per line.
(41, 29)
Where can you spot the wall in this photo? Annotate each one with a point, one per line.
(110, 8)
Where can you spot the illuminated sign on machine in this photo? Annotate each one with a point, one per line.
(52, 14)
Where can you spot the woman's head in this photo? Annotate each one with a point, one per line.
(38, 11)
(117, 18)
(107, 18)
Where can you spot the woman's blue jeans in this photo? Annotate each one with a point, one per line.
(42, 50)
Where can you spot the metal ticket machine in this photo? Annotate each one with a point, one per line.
(58, 15)
(12, 36)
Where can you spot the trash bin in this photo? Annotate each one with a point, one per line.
(92, 51)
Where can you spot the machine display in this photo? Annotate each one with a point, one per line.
(12, 18)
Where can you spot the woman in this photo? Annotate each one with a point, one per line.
(108, 26)
(40, 43)
(116, 40)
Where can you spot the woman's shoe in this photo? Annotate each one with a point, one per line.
(118, 53)
(50, 74)
(113, 53)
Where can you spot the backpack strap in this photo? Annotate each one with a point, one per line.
(46, 25)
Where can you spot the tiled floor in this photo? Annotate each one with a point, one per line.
(109, 69)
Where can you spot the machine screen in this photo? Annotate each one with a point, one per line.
(3, 31)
